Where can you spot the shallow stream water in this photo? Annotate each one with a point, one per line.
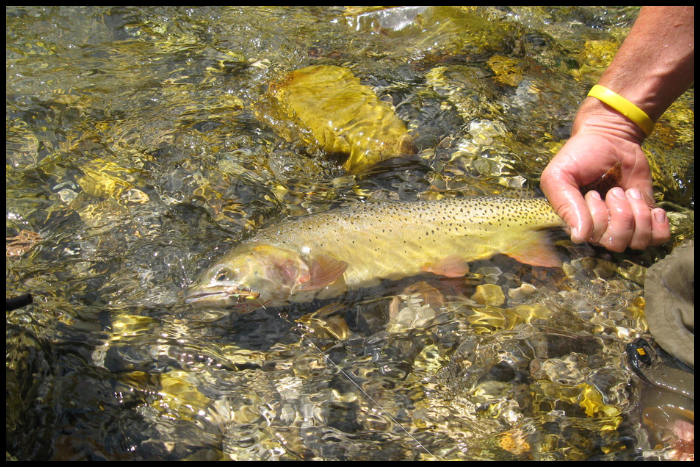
(137, 152)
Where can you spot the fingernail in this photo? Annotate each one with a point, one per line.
(618, 193)
(574, 234)
(649, 198)
(634, 193)
(595, 195)
(659, 216)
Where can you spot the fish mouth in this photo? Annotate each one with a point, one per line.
(220, 296)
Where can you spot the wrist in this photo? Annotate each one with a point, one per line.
(623, 106)
(597, 117)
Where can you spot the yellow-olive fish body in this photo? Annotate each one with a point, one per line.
(323, 255)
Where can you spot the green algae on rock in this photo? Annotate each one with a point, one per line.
(331, 109)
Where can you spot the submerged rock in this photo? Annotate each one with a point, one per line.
(326, 106)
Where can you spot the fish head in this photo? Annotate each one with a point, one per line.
(248, 277)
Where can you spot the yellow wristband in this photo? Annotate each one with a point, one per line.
(623, 106)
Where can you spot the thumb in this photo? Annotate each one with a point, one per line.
(568, 202)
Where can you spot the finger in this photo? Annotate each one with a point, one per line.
(641, 236)
(570, 205)
(563, 193)
(621, 224)
(577, 218)
(660, 227)
(599, 213)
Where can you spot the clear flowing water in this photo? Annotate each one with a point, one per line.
(138, 150)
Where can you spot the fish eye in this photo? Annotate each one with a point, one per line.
(222, 274)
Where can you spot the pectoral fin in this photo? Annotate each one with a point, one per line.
(536, 250)
(323, 271)
(450, 266)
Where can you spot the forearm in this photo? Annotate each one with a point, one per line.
(653, 67)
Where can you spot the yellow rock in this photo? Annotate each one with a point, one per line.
(327, 323)
(599, 53)
(591, 400)
(179, 396)
(514, 441)
(343, 117)
(101, 183)
(508, 71)
(489, 294)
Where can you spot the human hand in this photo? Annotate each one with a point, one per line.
(627, 217)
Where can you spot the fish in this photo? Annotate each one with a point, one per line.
(324, 255)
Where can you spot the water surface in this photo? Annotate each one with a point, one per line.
(135, 155)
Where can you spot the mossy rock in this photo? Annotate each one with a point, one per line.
(329, 108)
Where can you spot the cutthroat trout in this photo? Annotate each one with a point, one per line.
(323, 255)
